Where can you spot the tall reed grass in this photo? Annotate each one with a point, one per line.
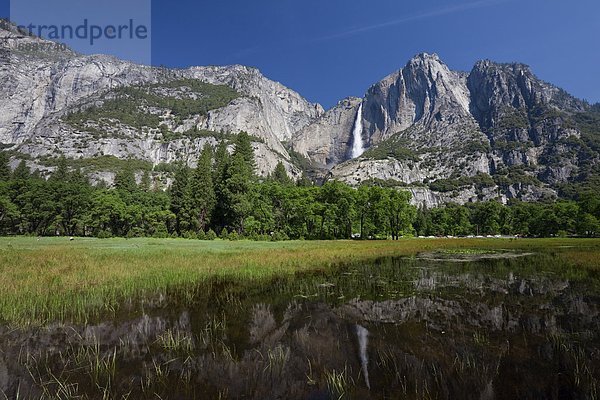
(54, 279)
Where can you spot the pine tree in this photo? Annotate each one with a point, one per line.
(239, 183)
(125, 180)
(243, 148)
(280, 175)
(304, 181)
(4, 167)
(221, 160)
(219, 175)
(179, 197)
(201, 193)
(22, 172)
(61, 173)
(145, 183)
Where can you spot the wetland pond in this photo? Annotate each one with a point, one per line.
(446, 325)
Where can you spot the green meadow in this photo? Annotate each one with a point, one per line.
(56, 280)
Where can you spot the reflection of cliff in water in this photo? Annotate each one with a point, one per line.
(477, 331)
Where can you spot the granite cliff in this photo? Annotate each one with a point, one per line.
(494, 132)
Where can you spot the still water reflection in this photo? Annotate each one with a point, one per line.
(437, 326)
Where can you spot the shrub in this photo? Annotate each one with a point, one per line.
(279, 236)
(160, 233)
(190, 235)
(211, 235)
(233, 236)
(104, 234)
(135, 232)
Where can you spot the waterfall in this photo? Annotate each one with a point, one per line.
(363, 340)
(357, 143)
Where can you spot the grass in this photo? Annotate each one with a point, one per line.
(54, 279)
(337, 383)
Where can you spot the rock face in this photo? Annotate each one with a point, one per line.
(425, 94)
(495, 132)
(42, 86)
(282, 111)
(327, 141)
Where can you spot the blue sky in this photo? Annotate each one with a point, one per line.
(330, 49)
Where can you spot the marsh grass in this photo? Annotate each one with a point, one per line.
(176, 341)
(52, 279)
(338, 383)
(277, 358)
(574, 357)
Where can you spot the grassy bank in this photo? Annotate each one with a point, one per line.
(54, 279)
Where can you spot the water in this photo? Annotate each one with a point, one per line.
(439, 327)
(357, 142)
(363, 341)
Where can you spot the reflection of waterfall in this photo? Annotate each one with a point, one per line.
(363, 340)
(357, 144)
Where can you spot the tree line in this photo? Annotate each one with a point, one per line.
(223, 197)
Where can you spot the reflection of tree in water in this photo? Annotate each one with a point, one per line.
(472, 333)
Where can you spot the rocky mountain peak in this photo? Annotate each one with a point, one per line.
(13, 39)
(43, 87)
(495, 131)
(424, 92)
(501, 89)
(425, 61)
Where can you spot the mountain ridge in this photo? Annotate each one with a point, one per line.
(425, 123)
(497, 130)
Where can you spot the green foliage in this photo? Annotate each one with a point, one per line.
(194, 133)
(169, 168)
(453, 220)
(130, 103)
(395, 147)
(280, 175)
(179, 193)
(223, 194)
(511, 145)
(513, 119)
(237, 183)
(124, 110)
(543, 113)
(125, 181)
(5, 171)
(589, 124)
(279, 237)
(304, 163)
(209, 96)
(517, 218)
(211, 235)
(22, 172)
(389, 183)
(515, 175)
(243, 149)
(399, 213)
(233, 236)
(100, 163)
(480, 180)
(200, 196)
(475, 146)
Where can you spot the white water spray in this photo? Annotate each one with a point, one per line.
(363, 340)
(357, 143)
